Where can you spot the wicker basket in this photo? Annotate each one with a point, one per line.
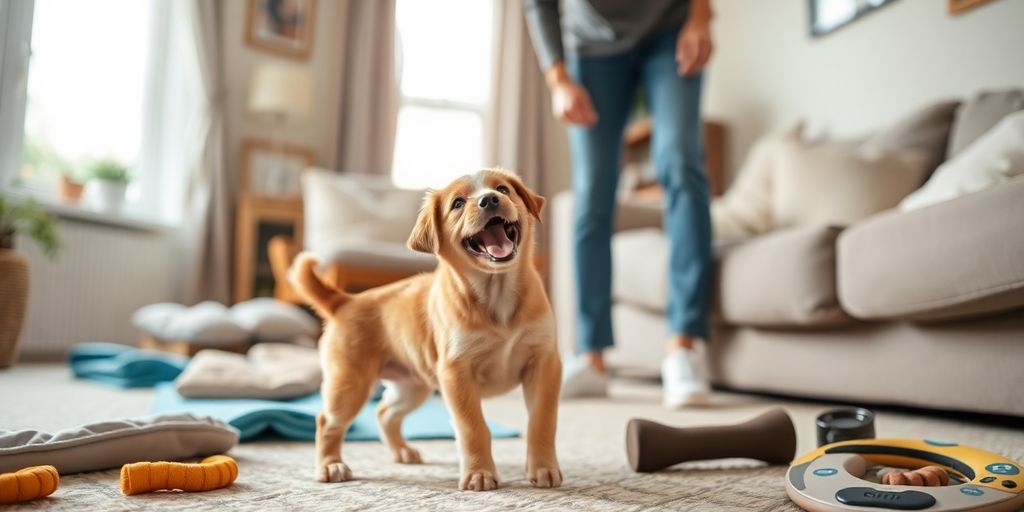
(13, 300)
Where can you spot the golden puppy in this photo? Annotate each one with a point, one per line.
(478, 326)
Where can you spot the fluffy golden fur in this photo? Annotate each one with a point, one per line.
(478, 326)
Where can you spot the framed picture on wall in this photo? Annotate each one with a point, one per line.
(281, 26)
(829, 15)
(273, 169)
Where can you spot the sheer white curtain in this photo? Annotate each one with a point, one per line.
(207, 221)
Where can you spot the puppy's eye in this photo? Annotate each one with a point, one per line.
(503, 189)
(458, 203)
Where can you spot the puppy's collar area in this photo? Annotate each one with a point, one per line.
(498, 241)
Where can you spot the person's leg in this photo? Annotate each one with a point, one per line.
(677, 151)
(596, 152)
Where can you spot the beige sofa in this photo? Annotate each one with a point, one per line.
(923, 308)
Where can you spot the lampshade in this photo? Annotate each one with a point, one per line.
(282, 89)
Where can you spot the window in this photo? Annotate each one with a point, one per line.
(106, 79)
(445, 51)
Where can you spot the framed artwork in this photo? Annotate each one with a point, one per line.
(257, 221)
(281, 26)
(273, 169)
(962, 6)
(829, 15)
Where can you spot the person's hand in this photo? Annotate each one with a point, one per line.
(570, 102)
(693, 48)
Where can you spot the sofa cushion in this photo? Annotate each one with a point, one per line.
(782, 279)
(953, 259)
(824, 184)
(979, 115)
(995, 158)
(646, 284)
(925, 130)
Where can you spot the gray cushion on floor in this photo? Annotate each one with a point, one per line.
(111, 444)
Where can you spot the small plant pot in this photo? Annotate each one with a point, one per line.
(70, 191)
(106, 194)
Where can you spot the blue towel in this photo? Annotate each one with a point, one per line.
(123, 366)
(296, 418)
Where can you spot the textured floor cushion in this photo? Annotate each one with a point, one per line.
(110, 444)
(272, 320)
(296, 419)
(206, 323)
(123, 366)
(783, 279)
(270, 370)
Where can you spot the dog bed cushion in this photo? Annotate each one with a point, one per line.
(271, 320)
(110, 444)
(205, 323)
(123, 366)
(296, 419)
(271, 370)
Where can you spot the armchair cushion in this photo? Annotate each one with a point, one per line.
(376, 254)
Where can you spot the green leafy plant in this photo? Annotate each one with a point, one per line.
(110, 170)
(29, 218)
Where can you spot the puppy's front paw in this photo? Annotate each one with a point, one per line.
(478, 480)
(333, 472)
(545, 476)
(407, 455)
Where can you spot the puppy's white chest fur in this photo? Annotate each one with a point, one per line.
(498, 356)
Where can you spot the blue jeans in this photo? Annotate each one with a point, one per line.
(678, 157)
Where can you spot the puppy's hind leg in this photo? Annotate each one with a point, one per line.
(345, 390)
(401, 397)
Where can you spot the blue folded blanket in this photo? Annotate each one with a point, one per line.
(296, 418)
(123, 366)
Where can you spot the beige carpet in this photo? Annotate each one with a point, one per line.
(276, 475)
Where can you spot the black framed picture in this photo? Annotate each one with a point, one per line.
(829, 15)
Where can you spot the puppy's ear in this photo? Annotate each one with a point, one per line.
(424, 236)
(534, 203)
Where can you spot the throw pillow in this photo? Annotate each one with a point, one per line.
(978, 115)
(823, 184)
(347, 207)
(926, 130)
(995, 158)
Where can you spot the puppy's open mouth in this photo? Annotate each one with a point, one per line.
(498, 241)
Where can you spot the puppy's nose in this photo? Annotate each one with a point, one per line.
(489, 201)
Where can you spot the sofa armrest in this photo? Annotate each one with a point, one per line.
(954, 259)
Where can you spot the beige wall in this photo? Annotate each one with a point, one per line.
(768, 72)
(240, 62)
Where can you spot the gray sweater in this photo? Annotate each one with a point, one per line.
(591, 28)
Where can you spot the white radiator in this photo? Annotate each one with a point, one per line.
(101, 275)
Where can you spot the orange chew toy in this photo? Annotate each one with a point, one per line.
(28, 484)
(212, 473)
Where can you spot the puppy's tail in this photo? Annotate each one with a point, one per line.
(324, 299)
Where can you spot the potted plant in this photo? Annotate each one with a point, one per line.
(29, 219)
(70, 189)
(108, 179)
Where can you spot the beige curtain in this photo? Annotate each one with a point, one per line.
(207, 223)
(524, 136)
(368, 92)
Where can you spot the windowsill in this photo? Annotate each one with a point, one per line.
(125, 218)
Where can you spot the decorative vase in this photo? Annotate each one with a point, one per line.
(107, 194)
(70, 191)
(13, 301)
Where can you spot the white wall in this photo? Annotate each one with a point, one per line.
(767, 71)
(240, 62)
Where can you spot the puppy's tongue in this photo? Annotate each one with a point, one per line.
(494, 240)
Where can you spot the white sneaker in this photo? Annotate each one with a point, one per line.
(580, 380)
(684, 378)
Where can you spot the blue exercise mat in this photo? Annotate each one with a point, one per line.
(296, 418)
(123, 366)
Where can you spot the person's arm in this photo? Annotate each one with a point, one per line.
(693, 49)
(569, 101)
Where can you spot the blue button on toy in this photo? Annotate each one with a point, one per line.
(825, 472)
(1002, 468)
(933, 442)
(972, 491)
